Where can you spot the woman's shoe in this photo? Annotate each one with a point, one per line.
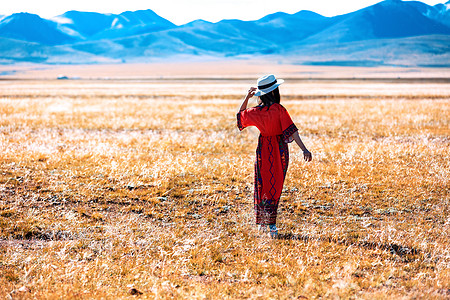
(273, 231)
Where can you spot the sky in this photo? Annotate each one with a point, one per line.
(184, 11)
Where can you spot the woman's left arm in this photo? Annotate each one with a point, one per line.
(306, 154)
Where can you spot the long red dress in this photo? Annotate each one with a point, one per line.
(272, 156)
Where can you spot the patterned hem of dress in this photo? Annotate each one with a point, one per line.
(239, 123)
(288, 132)
(266, 214)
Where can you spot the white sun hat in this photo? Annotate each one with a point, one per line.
(267, 84)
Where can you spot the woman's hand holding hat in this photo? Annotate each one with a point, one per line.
(251, 92)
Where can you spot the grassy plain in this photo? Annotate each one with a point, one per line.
(110, 185)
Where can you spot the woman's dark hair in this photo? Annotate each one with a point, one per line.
(270, 98)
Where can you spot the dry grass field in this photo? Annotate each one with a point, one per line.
(143, 189)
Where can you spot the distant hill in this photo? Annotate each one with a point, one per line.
(32, 28)
(388, 33)
(392, 32)
(388, 19)
(95, 26)
(421, 51)
(439, 12)
(19, 51)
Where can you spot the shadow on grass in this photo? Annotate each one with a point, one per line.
(399, 250)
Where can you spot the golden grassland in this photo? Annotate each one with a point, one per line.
(124, 189)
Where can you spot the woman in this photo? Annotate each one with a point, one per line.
(272, 154)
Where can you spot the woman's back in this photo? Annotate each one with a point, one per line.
(269, 120)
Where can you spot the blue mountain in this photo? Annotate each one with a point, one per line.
(439, 12)
(32, 28)
(12, 50)
(282, 28)
(95, 26)
(384, 33)
(83, 24)
(282, 33)
(387, 19)
(391, 19)
(226, 38)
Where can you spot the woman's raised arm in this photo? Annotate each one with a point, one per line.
(250, 94)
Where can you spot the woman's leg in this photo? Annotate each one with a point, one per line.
(262, 228)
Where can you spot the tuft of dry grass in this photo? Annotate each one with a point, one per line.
(115, 189)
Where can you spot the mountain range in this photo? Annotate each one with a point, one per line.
(392, 32)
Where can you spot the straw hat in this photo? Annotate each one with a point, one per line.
(267, 84)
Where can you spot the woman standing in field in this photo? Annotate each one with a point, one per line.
(272, 154)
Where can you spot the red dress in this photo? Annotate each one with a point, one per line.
(272, 156)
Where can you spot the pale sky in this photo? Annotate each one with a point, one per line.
(184, 11)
